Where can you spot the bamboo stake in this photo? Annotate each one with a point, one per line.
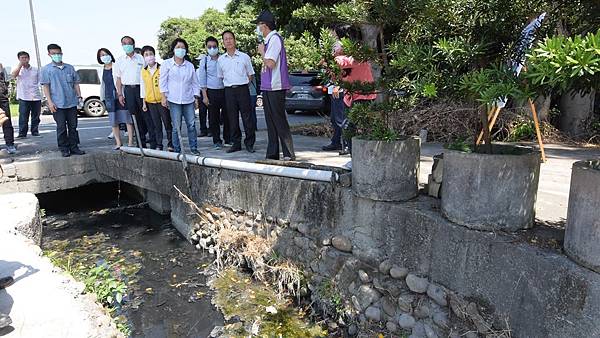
(537, 129)
(492, 117)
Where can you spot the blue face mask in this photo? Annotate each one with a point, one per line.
(179, 52)
(128, 49)
(106, 59)
(56, 58)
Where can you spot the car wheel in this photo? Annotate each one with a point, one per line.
(290, 111)
(94, 108)
(259, 102)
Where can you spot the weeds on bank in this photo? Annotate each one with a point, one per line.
(106, 271)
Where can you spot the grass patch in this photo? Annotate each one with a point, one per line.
(106, 271)
(259, 308)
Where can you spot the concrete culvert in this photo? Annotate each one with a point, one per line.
(582, 233)
(386, 171)
(494, 191)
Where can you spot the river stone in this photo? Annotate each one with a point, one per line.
(363, 276)
(258, 218)
(373, 313)
(226, 223)
(440, 318)
(303, 228)
(217, 331)
(418, 331)
(232, 217)
(240, 220)
(209, 217)
(342, 243)
(405, 303)
(422, 311)
(471, 334)
(416, 284)
(398, 272)
(326, 242)
(352, 330)
(385, 266)
(391, 326)
(406, 321)
(367, 296)
(270, 219)
(438, 294)
(388, 306)
(429, 333)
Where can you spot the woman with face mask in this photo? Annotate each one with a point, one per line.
(179, 85)
(117, 113)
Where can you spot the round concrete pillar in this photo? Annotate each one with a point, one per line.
(582, 233)
(491, 191)
(386, 171)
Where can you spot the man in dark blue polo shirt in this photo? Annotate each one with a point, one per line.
(61, 87)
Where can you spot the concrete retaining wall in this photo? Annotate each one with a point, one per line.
(540, 291)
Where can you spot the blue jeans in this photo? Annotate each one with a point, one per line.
(338, 118)
(27, 108)
(188, 113)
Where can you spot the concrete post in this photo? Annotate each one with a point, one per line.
(582, 233)
(386, 171)
(491, 191)
(158, 202)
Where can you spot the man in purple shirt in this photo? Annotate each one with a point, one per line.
(28, 94)
(275, 82)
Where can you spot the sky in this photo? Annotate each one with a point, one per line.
(80, 27)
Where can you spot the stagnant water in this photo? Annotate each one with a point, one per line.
(169, 296)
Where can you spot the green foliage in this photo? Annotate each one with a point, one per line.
(524, 130)
(372, 121)
(303, 52)
(565, 63)
(488, 85)
(460, 145)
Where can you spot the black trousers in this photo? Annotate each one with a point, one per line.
(238, 102)
(66, 128)
(217, 115)
(203, 116)
(133, 102)
(161, 117)
(278, 129)
(7, 127)
(27, 109)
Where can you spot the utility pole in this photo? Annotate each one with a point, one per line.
(35, 40)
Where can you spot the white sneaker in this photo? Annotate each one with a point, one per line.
(11, 149)
(125, 134)
(111, 136)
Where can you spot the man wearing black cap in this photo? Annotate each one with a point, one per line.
(275, 81)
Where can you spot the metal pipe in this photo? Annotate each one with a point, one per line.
(265, 169)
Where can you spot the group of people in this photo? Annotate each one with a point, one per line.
(147, 97)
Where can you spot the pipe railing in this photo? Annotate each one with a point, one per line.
(265, 169)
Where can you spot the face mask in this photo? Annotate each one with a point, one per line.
(128, 49)
(213, 51)
(57, 58)
(179, 52)
(106, 59)
(150, 59)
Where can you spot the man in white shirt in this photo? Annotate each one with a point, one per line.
(127, 72)
(28, 94)
(213, 92)
(235, 68)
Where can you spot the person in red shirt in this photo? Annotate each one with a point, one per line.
(341, 99)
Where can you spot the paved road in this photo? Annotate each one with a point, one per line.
(93, 132)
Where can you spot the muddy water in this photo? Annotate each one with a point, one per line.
(170, 297)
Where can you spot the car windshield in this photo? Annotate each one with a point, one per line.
(89, 76)
(304, 80)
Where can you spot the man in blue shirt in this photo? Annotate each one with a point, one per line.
(61, 87)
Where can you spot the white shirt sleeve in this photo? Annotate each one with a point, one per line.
(163, 80)
(201, 74)
(195, 83)
(142, 85)
(249, 68)
(219, 68)
(117, 69)
(272, 53)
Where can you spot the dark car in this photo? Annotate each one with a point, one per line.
(307, 94)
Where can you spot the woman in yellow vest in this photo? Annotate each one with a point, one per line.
(151, 96)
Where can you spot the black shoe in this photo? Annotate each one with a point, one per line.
(77, 151)
(65, 153)
(36, 134)
(272, 158)
(6, 282)
(233, 149)
(22, 136)
(203, 134)
(209, 134)
(332, 147)
(250, 149)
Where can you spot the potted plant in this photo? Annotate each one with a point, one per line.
(489, 186)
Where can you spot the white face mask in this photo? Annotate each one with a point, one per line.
(106, 59)
(213, 51)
